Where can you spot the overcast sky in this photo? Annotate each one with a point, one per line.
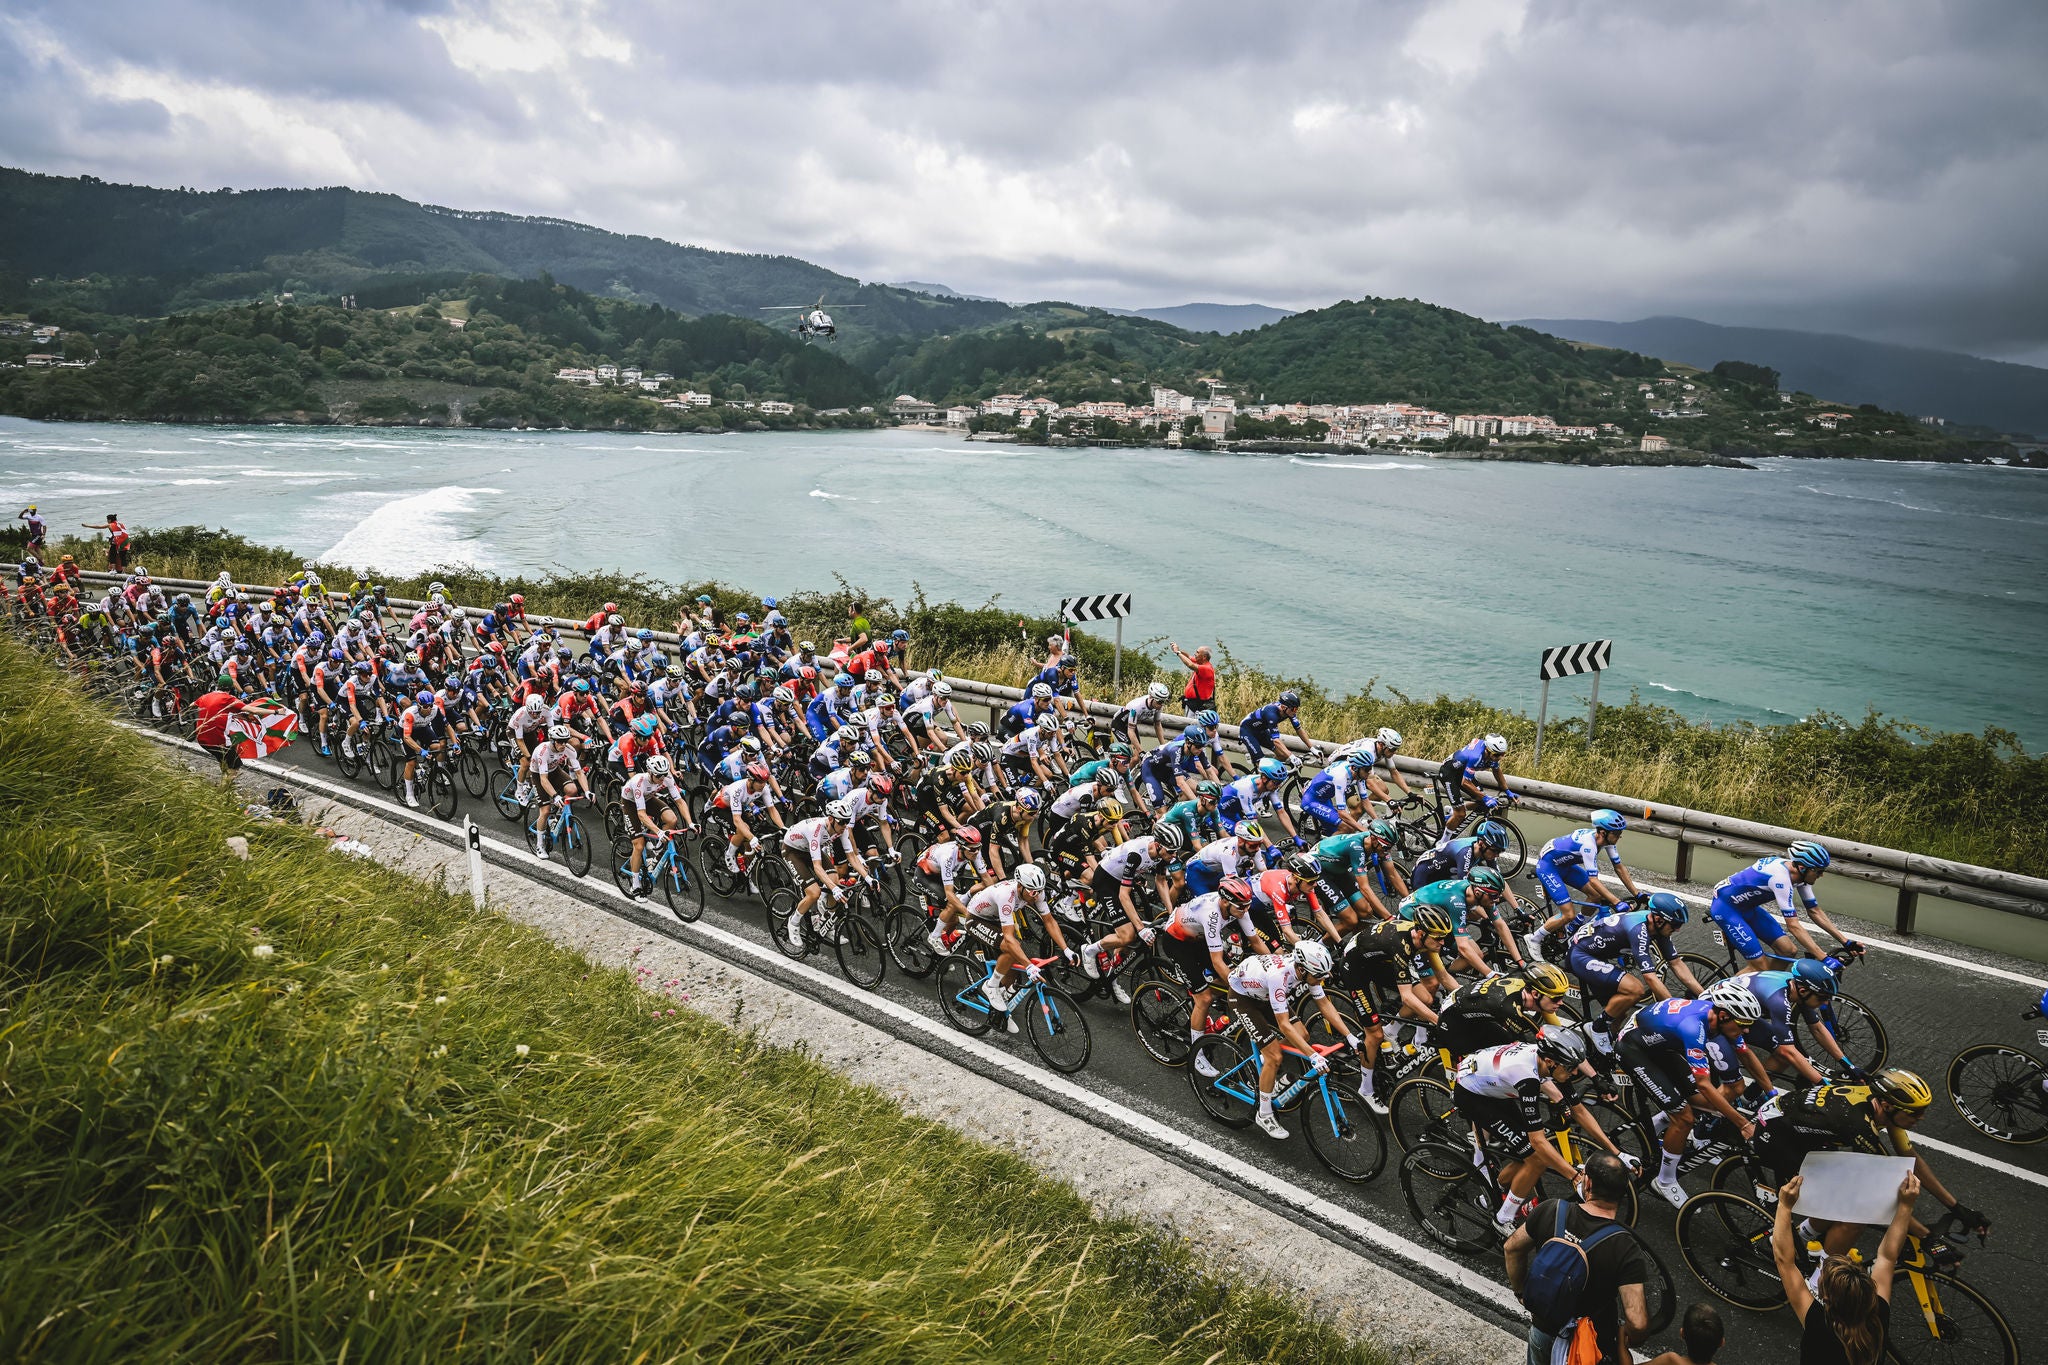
(1871, 166)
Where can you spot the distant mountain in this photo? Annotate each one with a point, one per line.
(1962, 388)
(185, 247)
(1225, 318)
(940, 291)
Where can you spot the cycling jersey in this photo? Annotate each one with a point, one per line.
(422, 727)
(1448, 897)
(1774, 1028)
(549, 755)
(1199, 826)
(1450, 860)
(1747, 906)
(1244, 800)
(1568, 862)
(1270, 979)
(637, 788)
(744, 798)
(1225, 857)
(1000, 903)
(1073, 801)
(1385, 954)
(946, 862)
(1510, 1072)
(1488, 1013)
(1677, 1024)
(1324, 796)
(1204, 919)
(814, 839)
(1131, 860)
(1257, 730)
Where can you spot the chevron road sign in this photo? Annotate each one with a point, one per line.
(1568, 661)
(1103, 606)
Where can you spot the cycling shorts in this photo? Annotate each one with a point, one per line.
(1336, 887)
(1452, 775)
(1255, 742)
(1748, 931)
(1601, 976)
(1660, 1074)
(1496, 1119)
(1191, 955)
(1560, 881)
(1259, 1017)
(1104, 888)
(1203, 878)
(1465, 1033)
(1155, 787)
(1430, 868)
(1326, 816)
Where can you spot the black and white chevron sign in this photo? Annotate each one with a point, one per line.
(1104, 606)
(1565, 661)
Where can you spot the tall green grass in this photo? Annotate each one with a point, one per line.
(301, 1107)
(1974, 798)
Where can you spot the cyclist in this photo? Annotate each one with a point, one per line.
(1141, 710)
(814, 850)
(1112, 883)
(1323, 804)
(1501, 1009)
(1264, 987)
(1571, 863)
(1240, 854)
(1748, 905)
(1480, 892)
(952, 865)
(1192, 938)
(1664, 1051)
(1256, 796)
(1342, 857)
(655, 781)
(1802, 989)
(1501, 1092)
(748, 799)
(1455, 857)
(1639, 938)
(1259, 731)
(558, 774)
(1380, 748)
(1402, 956)
(1171, 772)
(1001, 904)
(1482, 755)
(424, 730)
(1196, 816)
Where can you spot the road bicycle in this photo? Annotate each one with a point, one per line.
(1340, 1130)
(439, 789)
(1856, 1027)
(553, 828)
(2001, 1091)
(1421, 819)
(1053, 1021)
(845, 919)
(667, 866)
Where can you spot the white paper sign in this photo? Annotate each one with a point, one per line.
(1850, 1187)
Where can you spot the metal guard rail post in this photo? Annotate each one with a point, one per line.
(1911, 875)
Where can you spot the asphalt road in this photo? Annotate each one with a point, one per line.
(1935, 1000)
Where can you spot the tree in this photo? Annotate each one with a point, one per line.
(1742, 372)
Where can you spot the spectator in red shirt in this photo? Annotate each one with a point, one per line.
(214, 709)
(1200, 693)
(117, 542)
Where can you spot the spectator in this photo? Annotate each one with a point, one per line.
(214, 709)
(1200, 693)
(1702, 1334)
(1854, 1305)
(1615, 1265)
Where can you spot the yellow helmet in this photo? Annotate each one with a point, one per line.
(1112, 811)
(1901, 1088)
(1546, 978)
(1431, 920)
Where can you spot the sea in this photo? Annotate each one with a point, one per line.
(1920, 590)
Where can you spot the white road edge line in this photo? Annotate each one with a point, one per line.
(1282, 1191)
(2004, 1167)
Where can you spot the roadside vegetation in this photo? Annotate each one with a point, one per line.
(1971, 798)
(301, 1106)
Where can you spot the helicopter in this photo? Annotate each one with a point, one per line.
(812, 319)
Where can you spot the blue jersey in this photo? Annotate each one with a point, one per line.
(1242, 800)
(1767, 881)
(1174, 756)
(1474, 755)
(1267, 719)
(1681, 1024)
(1614, 937)
(1328, 787)
(1774, 1029)
(1581, 849)
(1457, 854)
(1019, 718)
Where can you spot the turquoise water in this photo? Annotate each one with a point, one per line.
(1808, 585)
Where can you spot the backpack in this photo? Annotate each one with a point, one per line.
(1558, 1273)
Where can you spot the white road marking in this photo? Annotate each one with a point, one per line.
(1993, 1162)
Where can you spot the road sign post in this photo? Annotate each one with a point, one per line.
(1568, 661)
(1103, 606)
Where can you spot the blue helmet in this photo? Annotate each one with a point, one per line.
(581, 685)
(1610, 820)
(643, 726)
(1806, 853)
(843, 680)
(768, 602)
(1208, 718)
(644, 635)
(1290, 699)
(1273, 769)
(899, 636)
(1195, 734)
(1359, 761)
(336, 655)
(1668, 908)
(1491, 833)
(1815, 975)
(425, 698)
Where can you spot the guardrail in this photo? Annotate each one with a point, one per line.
(1910, 875)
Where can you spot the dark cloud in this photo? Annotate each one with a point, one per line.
(1877, 166)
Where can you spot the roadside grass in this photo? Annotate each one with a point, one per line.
(304, 1107)
(1973, 798)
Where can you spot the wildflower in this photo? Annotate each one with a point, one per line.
(441, 1051)
(522, 1049)
(440, 999)
(262, 950)
(167, 959)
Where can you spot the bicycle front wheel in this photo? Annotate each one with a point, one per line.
(1516, 855)
(1858, 1031)
(1224, 1074)
(622, 863)
(443, 796)
(960, 997)
(573, 843)
(1726, 1242)
(907, 941)
(1344, 1135)
(1944, 1321)
(1998, 1091)
(1058, 1030)
(1159, 1015)
(1423, 1112)
(476, 778)
(682, 885)
(1449, 1198)
(858, 945)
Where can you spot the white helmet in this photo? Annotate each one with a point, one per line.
(1735, 1000)
(1311, 958)
(1496, 745)
(1389, 737)
(534, 706)
(1048, 722)
(1041, 691)
(559, 732)
(942, 689)
(615, 620)
(838, 810)
(1157, 691)
(657, 766)
(1030, 877)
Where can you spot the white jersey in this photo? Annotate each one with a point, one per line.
(1074, 800)
(1204, 918)
(548, 756)
(1224, 855)
(1129, 861)
(1500, 1073)
(813, 837)
(641, 785)
(1268, 977)
(947, 861)
(999, 903)
(736, 796)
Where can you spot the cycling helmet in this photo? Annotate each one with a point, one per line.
(872, 676)
(1492, 833)
(425, 699)
(1235, 892)
(643, 635)
(1112, 811)
(1169, 837)
(1901, 1089)
(1815, 976)
(1433, 921)
(335, 656)
(838, 811)
(559, 732)
(1668, 908)
(534, 705)
(747, 691)
(899, 635)
(1048, 722)
(581, 686)
(1208, 789)
(1304, 865)
(1195, 735)
(881, 784)
(363, 667)
(886, 699)
(843, 680)
(976, 730)
(942, 690)
(984, 752)
(1389, 737)
(241, 646)
(675, 670)
(1382, 830)
(1560, 1045)
(1312, 959)
(1359, 761)
(1547, 978)
(1119, 750)
(1029, 799)
(750, 744)
(1290, 699)
(784, 693)
(1806, 853)
(1251, 832)
(1041, 692)
(1487, 879)
(1208, 719)
(1496, 745)
(757, 771)
(644, 726)
(859, 758)
(1156, 692)
(517, 599)
(969, 836)
(1735, 1000)
(614, 619)
(960, 757)
(1030, 877)
(1610, 820)
(1272, 769)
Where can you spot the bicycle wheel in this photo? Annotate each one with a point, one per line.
(1229, 1094)
(905, 937)
(682, 886)
(1858, 1031)
(1726, 1242)
(858, 946)
(1997, 1090)
(960, 998)
(1058, 1030)
(1344, 1135)
(348, 756)
(382, 761)
(1422, 1111)
(1516, 855)
(1660, 1296)
(1705, 970)
(573, 843)
(1944, 1320)
(717, 862)
(504, 794)
(1449, 1198)
(443, 795)
(614, 819)
(476, 774)
(778, 907)
(622, 862)
(1159, 1016)
(1735, 1175)
(1626, 1133)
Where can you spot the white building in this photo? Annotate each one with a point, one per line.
(778, 407)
